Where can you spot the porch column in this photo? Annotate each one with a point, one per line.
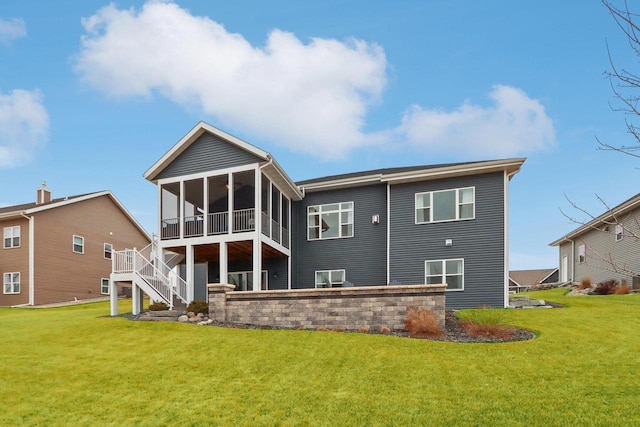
(257, 263)
(190, 272)
(113, 294)
(289, 272)
(136, 299)
(224, 263)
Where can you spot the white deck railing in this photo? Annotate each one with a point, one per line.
(193, 226)
(218, 223)
(160, 277)
(244, 220)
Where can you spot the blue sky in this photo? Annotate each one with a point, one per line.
(93, 93)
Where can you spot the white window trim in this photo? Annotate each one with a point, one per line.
(13, 236)
(444, 272)
(11, 273)
(582, 254)
(340, 224)
(105, 251)
(342, 270)
(619, 233)
(102, 280)
(73, 244)
(458, 204)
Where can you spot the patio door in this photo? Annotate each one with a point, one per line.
(244, 280)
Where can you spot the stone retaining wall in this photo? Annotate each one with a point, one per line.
(370, 307)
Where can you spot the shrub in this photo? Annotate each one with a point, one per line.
(385, 329)
(422, 323)
(607, 287)
(585, 283)
(198, 306)
(622, 289)
(158, 306)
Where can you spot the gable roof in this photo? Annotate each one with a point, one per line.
(621, 209)
(15, 211)
(530, 277)
(270, 166)
(405, 174)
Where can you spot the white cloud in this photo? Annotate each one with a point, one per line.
(312, 96)
(11, 30)
(24, 125)
(516, 124)
(308, 96)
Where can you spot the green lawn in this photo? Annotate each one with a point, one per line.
(70, 366)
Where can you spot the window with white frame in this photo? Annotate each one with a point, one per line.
(11, 283)
(78, 244)
(12, 237)
(582, 255)
(330, 278)
(108, 250)
(243, 280)
(332, 221)
(104, 286)
(619, 232)
(445, 205)
(449, 271)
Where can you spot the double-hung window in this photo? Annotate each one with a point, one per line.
(330, 221)
(104, 286)
(449, 271)
(619, 232)
(78, 244)
(11, 283)
(108, 250)
(581, 254)
(330, 278)
(12, 237)
(445, 205)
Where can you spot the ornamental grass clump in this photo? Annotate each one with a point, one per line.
(485, 323)
(422, 323)
(585, 283)
(623, 289)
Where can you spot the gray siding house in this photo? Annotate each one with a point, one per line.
(607, 247)
(234, 216)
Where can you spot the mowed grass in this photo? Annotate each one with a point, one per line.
(71, 366)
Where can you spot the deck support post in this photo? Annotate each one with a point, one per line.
(113, 296)
(257, 263)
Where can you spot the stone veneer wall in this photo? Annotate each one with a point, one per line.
(371, 307)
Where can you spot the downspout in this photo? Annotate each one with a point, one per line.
(31, 257)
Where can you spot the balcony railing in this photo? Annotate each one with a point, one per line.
(265, 223)
(170, 228)
(193, 226)
(244, 220)
(275, 231)
(218, 223)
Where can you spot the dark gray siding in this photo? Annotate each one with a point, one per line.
(200, 280)
(480, 242)
(363, 256)
(207, 153)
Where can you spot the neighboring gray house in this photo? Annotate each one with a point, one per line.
(607, 247)
(233, 214)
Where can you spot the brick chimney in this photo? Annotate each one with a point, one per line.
(43, 194)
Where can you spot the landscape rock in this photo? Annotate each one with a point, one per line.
(183, 318)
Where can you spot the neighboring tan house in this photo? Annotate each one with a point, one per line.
(607, 247)
(58, 250)
(522, 280)
(234, 216)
